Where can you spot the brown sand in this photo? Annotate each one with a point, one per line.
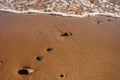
(89, 49)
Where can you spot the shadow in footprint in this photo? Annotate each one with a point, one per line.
(49, 49)
(66, 34)
(61, 75)
(25, 71)
(108, 20)
(39, 58)
(99, 21)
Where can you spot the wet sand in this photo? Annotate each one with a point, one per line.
(45, 47)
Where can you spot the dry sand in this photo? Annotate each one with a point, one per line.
(44, 47)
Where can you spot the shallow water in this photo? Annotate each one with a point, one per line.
(76, 8)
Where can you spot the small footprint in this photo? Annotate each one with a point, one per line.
(26, 71)
(61, 75)
(66, 34)
(49, 49)
(39, 58)
(99, 21)
(108, 20)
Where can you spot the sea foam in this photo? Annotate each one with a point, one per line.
(75, 8)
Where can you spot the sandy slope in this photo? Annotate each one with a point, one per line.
(92, 52)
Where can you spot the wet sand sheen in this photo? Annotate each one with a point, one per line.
(44, 47)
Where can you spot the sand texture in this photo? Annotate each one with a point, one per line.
(45, 47)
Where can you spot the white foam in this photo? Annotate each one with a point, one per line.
(63, 14)
(104, 8)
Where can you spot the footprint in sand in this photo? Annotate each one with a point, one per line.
(109, 20)
(99, 21)
(66, 34)
(26, 71)
(39, 58)
(61, 75)
(49, 49)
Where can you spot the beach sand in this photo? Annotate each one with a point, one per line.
(45, 47)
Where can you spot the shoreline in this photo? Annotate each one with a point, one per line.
(85, 14)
